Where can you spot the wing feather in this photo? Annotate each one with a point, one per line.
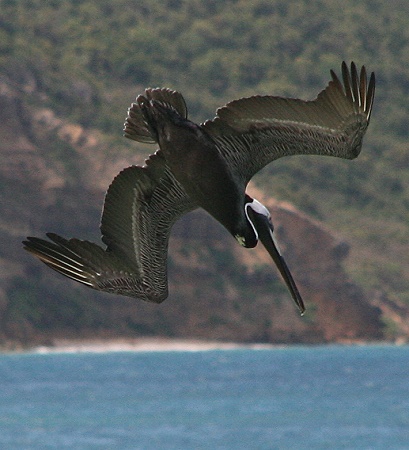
(252, 132)
(141, 205)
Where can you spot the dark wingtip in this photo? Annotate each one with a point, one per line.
(30, 242)
(346, 76)
(370, 95)
(356, 86)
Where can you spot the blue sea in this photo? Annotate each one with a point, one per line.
(329, 397)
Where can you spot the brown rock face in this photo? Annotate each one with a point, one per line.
(336, 308)
(341, 308)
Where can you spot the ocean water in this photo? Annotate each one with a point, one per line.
(329, 397)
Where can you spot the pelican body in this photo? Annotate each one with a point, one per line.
(195, 161)
(208, 166)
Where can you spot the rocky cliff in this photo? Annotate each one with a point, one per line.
(53, 177)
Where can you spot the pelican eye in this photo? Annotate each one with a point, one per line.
(241, 240)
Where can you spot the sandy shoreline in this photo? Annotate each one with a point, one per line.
(141, 345)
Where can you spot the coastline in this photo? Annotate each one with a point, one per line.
(155, 344)
(164, 344)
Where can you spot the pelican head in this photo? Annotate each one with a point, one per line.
(261, 229)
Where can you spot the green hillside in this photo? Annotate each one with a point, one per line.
(88, 60)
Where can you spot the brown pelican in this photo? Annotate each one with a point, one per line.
(208, 166)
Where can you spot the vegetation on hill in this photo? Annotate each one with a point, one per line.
(87, 60)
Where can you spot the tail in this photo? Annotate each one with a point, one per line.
(137, 126)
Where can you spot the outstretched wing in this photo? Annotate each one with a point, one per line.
(251, 132)
(141, 206)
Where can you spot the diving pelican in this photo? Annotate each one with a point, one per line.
(207, 166)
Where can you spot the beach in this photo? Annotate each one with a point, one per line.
(155, 344)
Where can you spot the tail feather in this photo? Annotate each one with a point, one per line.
(137, 126)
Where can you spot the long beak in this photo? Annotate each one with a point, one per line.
(265, 234)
